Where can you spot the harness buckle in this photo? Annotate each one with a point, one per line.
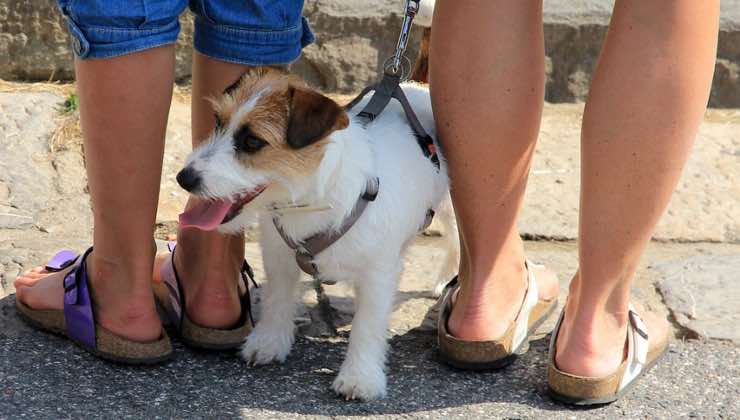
(364, 114)
(305, 262)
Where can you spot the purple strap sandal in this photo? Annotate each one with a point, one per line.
(77, 320)
(171, 304)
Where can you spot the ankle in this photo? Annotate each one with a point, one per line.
(209, 250)
(123, 298)
(486, 306)
(590, 342)
(208, 265)
(129, 278)
(500, 268)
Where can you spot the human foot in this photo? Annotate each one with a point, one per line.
(483, 311)
(121, 309)
(595, 348)
(208, 266)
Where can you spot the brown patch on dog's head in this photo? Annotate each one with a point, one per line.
(277, 123)
(312, 117)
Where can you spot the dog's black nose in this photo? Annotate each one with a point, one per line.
(188, 178)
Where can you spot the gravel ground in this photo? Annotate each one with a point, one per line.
(42, 376)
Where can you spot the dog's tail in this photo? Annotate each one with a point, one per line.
(424, 19)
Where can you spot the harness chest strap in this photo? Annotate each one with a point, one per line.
(307, 249)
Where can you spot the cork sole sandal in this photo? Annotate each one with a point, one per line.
(493, 354)
(584, 391)
(77, 320)
(171, 302)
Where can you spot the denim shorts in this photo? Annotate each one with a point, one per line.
(253, 32)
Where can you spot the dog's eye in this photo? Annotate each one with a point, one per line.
(245, 141)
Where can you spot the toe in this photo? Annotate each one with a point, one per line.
(40, 290)
(24, 280)
(28, 279)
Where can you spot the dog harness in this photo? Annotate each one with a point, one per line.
(385, 90)
(307, 249)
(389, 88)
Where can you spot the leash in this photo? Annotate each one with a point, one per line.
(389, 88)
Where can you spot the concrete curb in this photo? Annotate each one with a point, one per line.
(353, 39)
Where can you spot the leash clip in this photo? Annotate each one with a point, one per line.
(394, 65)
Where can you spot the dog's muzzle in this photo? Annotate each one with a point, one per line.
(189, 179)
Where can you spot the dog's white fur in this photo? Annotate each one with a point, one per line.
(425, 13)
(368, 256)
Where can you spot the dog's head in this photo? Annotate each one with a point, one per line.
(271, 134)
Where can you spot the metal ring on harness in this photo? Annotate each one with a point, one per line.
(403, 71)
(412, 6)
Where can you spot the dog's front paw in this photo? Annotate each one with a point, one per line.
(357, 383)
(265, 345)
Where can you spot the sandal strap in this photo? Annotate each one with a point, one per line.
(554, 336)
(246, 299)
(531, 297)
(78, 307)
(637, 348)
(61, 260)
(174, 312)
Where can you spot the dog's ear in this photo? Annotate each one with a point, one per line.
(232, 87)
(312, 116)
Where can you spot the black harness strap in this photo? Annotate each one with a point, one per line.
(389, 88)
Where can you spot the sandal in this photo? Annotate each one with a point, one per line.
(77, 320)
(580, 390)
(171, 302)
(494, 354)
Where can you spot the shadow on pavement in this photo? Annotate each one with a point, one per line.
(59, 374)
(42, 375)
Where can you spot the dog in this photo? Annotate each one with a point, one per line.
(298, 162)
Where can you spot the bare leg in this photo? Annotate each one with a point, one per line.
(124, 117)
(209, 262)
(647, 99)
(488, 119)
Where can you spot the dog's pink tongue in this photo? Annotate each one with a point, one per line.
(205, 215)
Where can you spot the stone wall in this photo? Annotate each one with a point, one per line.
(354, 37)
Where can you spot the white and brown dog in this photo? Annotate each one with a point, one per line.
(280, 145)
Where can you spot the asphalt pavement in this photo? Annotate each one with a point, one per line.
(44, 376)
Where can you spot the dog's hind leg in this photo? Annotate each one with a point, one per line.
(446, 217)
(362, 374)
(272, 337)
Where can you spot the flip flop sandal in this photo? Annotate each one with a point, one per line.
(171, 302)
(77, 320)
(494, 354)
(579, 390)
